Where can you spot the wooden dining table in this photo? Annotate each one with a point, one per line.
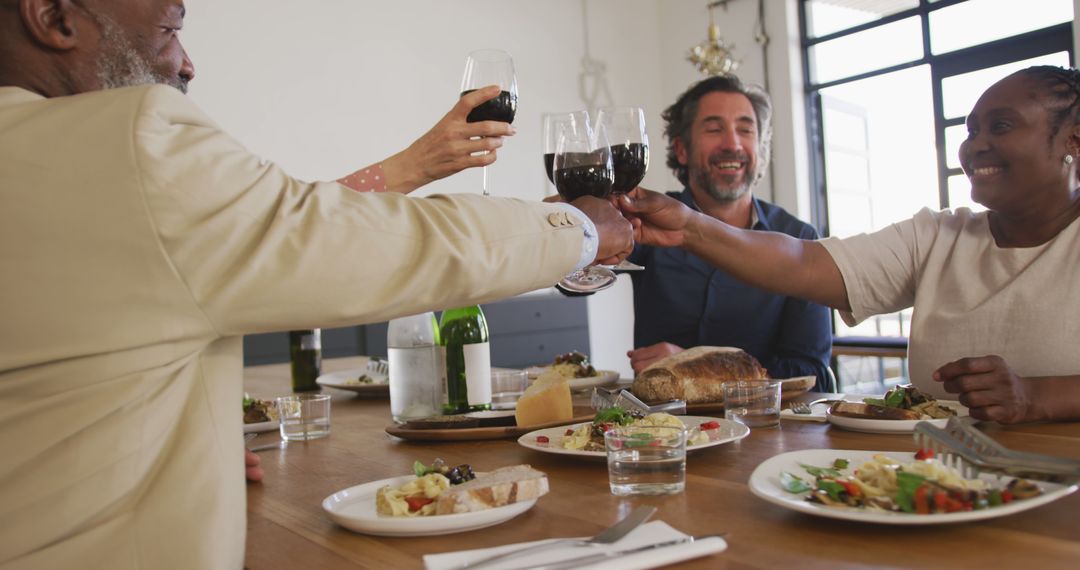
(287, 528)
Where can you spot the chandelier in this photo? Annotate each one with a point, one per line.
(714, 55)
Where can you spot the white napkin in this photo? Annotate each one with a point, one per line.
(650, 533)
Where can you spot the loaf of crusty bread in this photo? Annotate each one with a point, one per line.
(872, 411)
(696, 375)
(494, 489)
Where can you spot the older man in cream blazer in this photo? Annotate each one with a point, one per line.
(139, 243)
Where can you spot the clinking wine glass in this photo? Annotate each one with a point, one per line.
(553, 122)
(625, 127)
(582, 166)
(491, 67)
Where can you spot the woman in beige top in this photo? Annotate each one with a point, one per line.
(993, 292)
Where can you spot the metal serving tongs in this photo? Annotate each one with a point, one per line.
(971, 451)
(623, 398)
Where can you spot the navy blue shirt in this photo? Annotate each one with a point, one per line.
(681, 299)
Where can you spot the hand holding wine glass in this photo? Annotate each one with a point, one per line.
(449, 147)
(582, 166)
(491, 67)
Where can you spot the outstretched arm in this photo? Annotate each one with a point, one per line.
(768, 260)
(448, 148)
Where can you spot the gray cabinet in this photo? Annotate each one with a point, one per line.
(525, 330)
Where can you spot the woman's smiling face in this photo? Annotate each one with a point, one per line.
(1012, 156)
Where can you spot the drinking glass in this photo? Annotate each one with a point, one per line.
(754, 404)
(582, 166)
(491, 67)
(646, 460)
(552, 123)
(304, 416)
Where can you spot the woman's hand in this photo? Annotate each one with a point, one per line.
(990, 389)
(657, 219)
(449, 147)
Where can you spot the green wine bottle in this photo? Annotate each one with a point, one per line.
(464, 334)
(305, 354)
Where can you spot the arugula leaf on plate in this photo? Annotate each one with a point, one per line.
(793, 483)
(821, 471)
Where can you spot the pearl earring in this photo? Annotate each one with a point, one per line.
(1068, 159)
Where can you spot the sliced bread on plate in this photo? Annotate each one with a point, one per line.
(496, 488)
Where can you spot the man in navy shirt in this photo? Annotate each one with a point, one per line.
(719, 133)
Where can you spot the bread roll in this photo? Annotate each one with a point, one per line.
(696, 375)
(495, 489)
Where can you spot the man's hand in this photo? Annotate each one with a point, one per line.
(251, 466)
(615, 232)
(449, 147)
(641, 358)
(658, 219)
(990, 389)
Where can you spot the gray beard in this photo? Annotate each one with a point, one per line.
(121, 65)
(718, 193)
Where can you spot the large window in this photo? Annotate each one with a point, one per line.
(888, 85)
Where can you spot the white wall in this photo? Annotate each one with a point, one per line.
(326, 86)
(323, 87)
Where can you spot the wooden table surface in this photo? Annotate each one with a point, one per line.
(288, 529)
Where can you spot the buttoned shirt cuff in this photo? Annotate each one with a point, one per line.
(591, 243)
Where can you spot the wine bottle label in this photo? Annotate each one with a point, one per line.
(478, 373)
(311, 341)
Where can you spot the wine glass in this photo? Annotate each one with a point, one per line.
(552, 124)
(625, 127)
(582, 166)
(491, 67)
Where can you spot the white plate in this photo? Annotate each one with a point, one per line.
(765, 483)
(892, 426)
(727, 432)
(354, 509)
(260, 427)
(341, 380)
(602, 378)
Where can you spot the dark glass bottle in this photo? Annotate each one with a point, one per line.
(305, 354)
(464, 333)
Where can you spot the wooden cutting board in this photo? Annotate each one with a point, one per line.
(477, 434)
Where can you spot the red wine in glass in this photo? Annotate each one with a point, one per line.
(630, 160)
(502, 108)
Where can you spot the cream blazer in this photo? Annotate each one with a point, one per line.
(139, 242)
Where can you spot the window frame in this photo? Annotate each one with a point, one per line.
(1052, 39)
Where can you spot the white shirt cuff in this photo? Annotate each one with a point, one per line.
(591, 243)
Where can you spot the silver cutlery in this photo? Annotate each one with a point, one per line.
(275, 445)
(597, 557)
(608, 536)
(962, 446)
(625, 399)
(800, 408)
(378, 366)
